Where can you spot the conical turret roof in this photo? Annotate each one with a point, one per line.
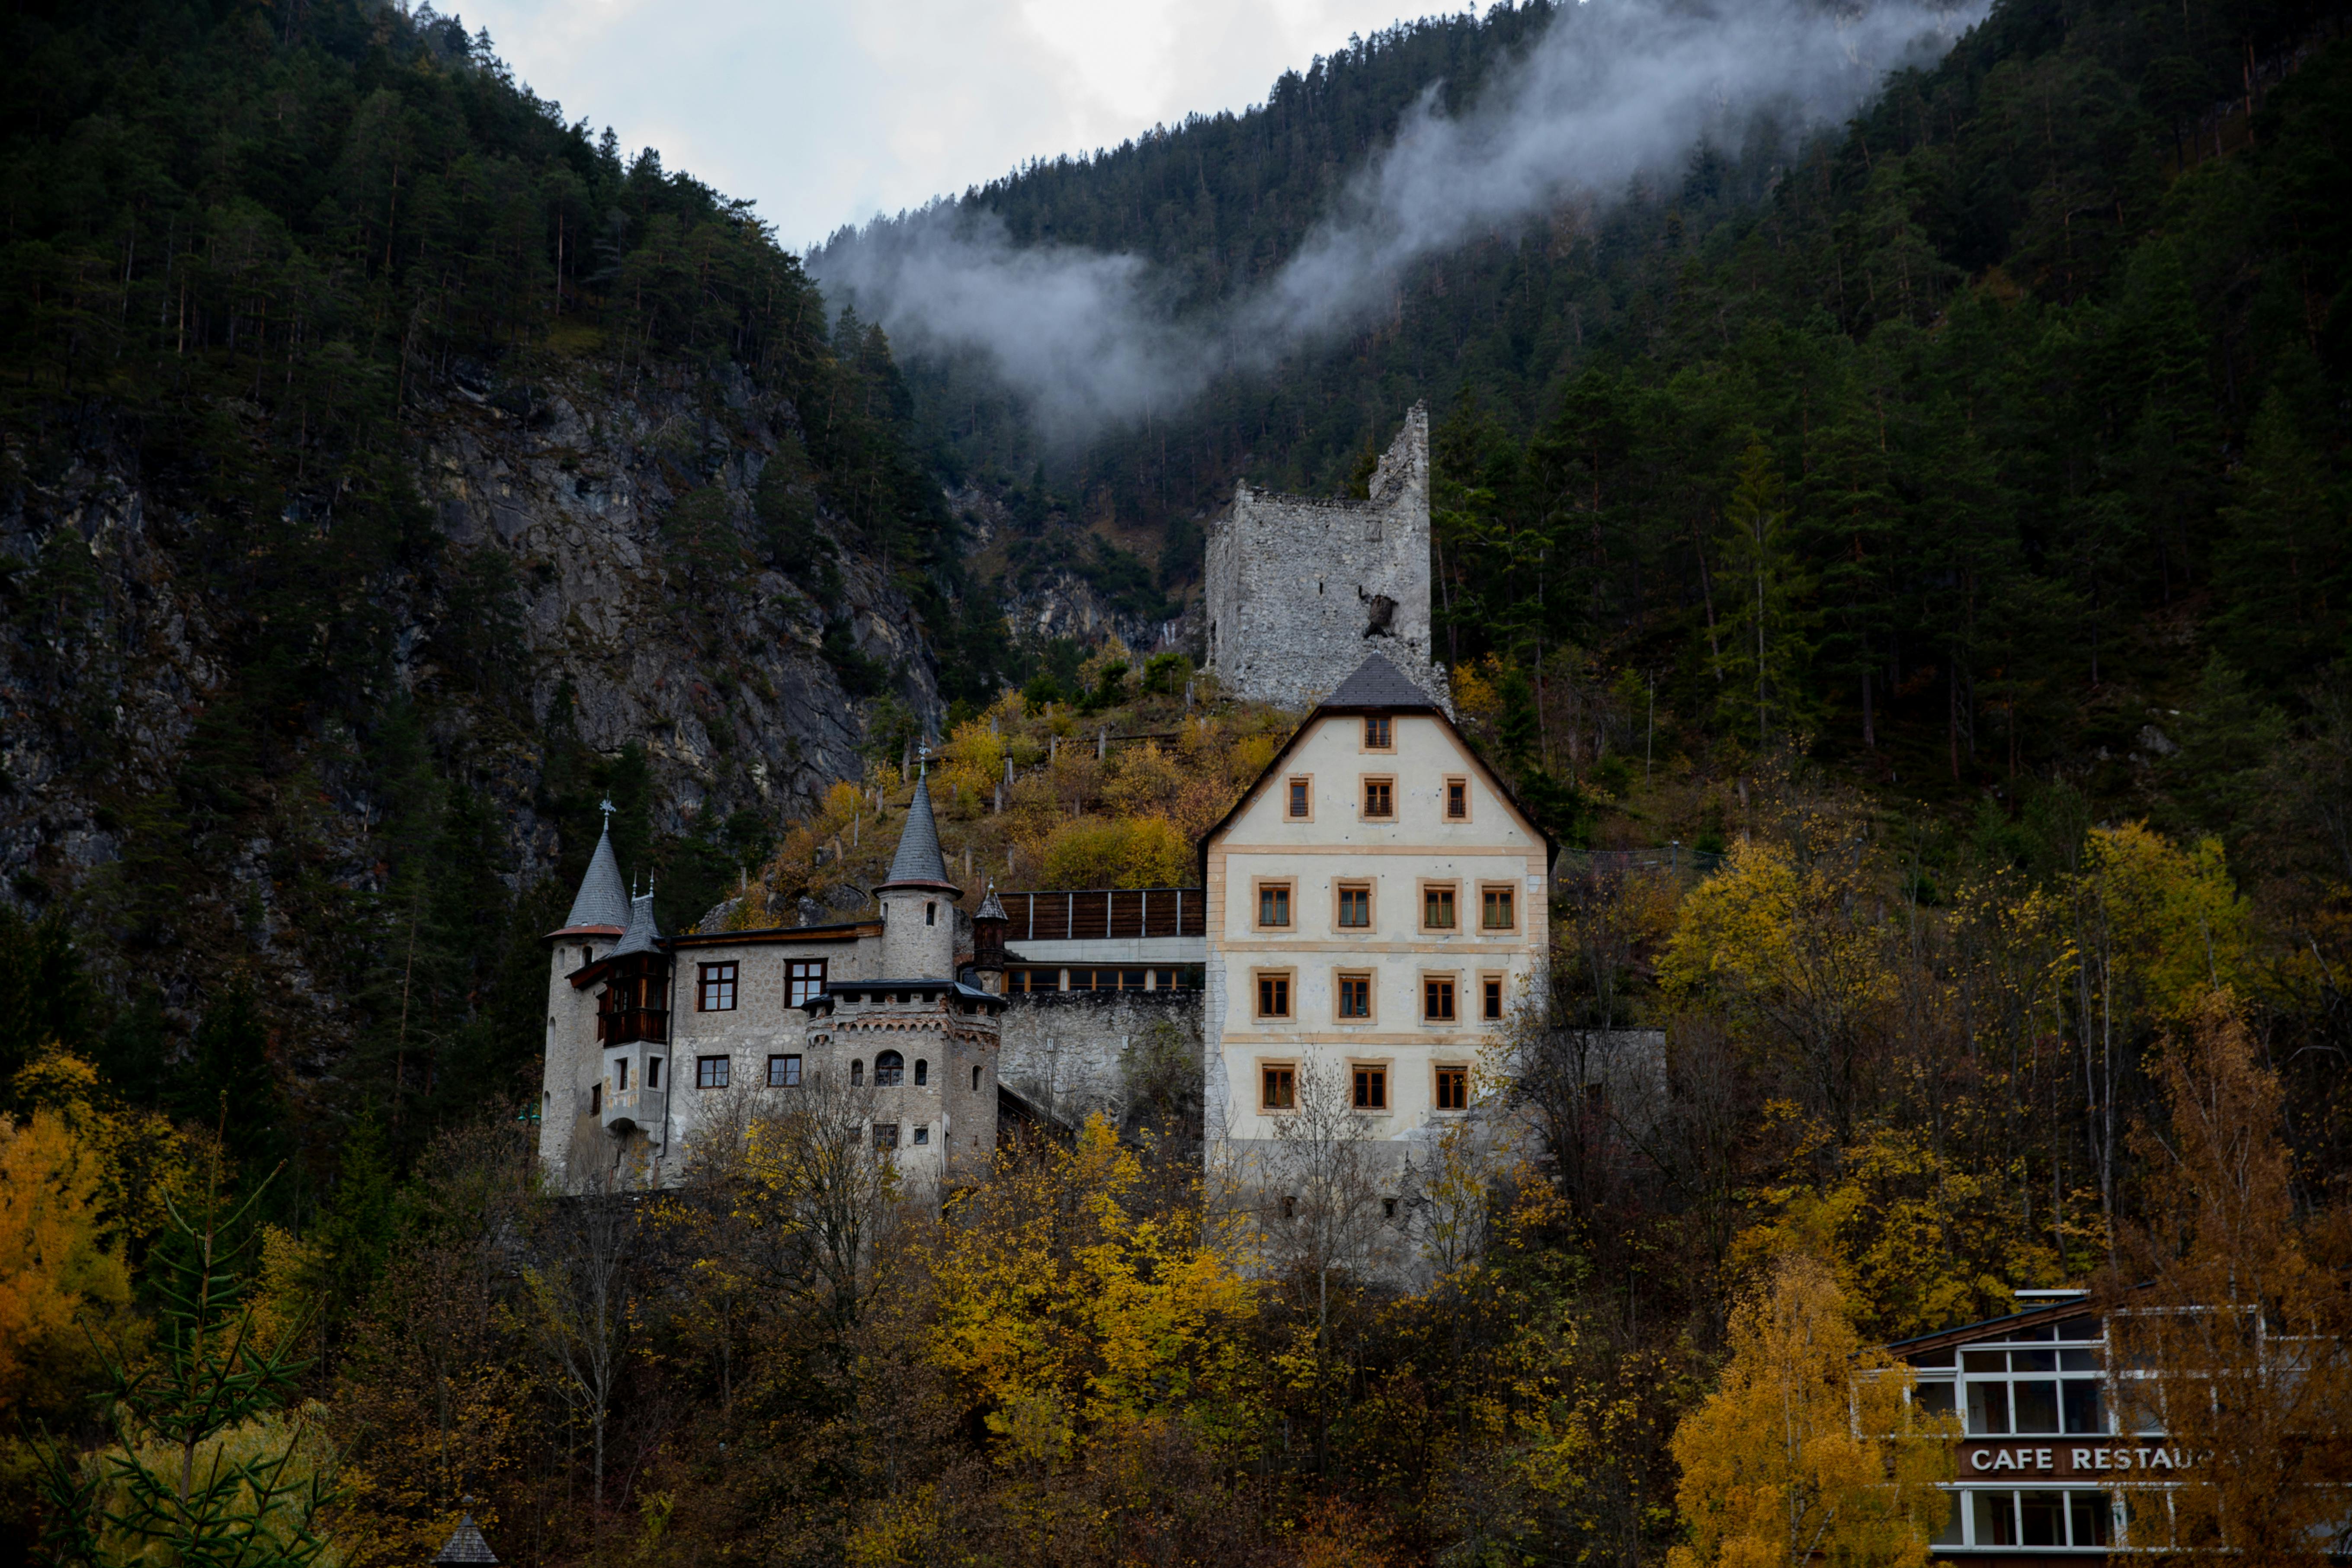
(991, 908)
(466, 1545)
(603, 898)
(919, 862)
(642, 935)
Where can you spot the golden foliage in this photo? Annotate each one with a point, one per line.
(1067, 1306)
(1916, 1242)
(1808, 1450)
(140, 1158)
(55, 1264)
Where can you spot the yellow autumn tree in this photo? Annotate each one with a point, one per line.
(1810, 1449)
(1069, 1301)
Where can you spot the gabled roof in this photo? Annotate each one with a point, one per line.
(1375, 675)
(603, 899)
(1379, 684)
(919, 862)
(641, 935)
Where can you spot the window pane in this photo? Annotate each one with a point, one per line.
(1497, 909)
(1988, 1409)
(2037, 1405)
(1453, 1088)
(2044, 1517)
(1493, 1007)
(1355, 906)
(1298, 797)
(1949, 1534)
(1437, 908)
(1273, 906)
(2079, 1361)
(2094, 1517)
(1458, 798)
(1934, 1398)
(1984, 1361)
(2085, 1400)
(1995, 1517)
(2033, 1361)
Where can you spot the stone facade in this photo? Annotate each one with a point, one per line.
(1300, 589)
(1075, 1054)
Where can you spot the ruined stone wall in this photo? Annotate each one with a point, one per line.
(1074, 1053)
(1299, 589)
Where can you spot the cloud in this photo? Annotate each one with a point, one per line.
(1616, 90)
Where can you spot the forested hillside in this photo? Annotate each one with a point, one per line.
(1931, 535)
(392, 470)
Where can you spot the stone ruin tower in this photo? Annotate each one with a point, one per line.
(1300, 589)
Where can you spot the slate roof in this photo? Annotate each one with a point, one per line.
(603, 900)
(919, 863)
(466, 1544)
(642, 935)
(991, 908)
(1377, 683)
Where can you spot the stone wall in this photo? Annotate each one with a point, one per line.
(1073, 1053)
(1300, 589)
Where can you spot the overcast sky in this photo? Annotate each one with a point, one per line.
(827, 112)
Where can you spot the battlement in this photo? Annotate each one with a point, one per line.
(1300, 588)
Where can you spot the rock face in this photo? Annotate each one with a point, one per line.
(590, 538)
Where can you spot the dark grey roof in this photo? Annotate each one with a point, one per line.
(642, 935)
(991, 908)
(466, 1544)
(603, 900)
(1377, 683)
(919, 862)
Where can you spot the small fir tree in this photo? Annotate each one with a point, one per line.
(206, 1468)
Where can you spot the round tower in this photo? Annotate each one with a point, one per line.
(917, 900)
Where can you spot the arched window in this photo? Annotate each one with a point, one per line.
(888, 1068)
(922, 1072)
(856, 1073)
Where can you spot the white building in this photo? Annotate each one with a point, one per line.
(1377, 902)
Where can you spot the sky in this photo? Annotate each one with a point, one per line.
(825, 113)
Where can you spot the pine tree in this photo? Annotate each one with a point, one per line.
(207, 1468)
(1763, 591)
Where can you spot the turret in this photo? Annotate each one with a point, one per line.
(917, 900)
(988, 928)
(633, 1025)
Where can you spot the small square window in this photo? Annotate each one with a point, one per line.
(1371, 1088)
(718, 988)
(1355, 905)
(1497, 909)
(783, 1072)
(1453, 1088)
(1490, 999)
(711, 1072)
(1437, 908)
(1274, 996)
(1300, 799)
(1457, 800)
(1376, 731)
(1280, 1089)
(1380, 797)
(922, 1136)
(886, 1135)
(1355, 996)
(1273, 904)
(1437, 998)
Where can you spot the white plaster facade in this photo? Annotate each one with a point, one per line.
(1450, 829)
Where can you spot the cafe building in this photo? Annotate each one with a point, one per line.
(2044, 1443)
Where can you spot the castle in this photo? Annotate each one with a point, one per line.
(1367, 915)
(1299, 589)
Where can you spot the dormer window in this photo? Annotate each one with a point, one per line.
(1377, 734)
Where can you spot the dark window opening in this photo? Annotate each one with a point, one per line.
(888, 1068)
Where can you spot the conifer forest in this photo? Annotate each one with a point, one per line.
(1905, 564)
